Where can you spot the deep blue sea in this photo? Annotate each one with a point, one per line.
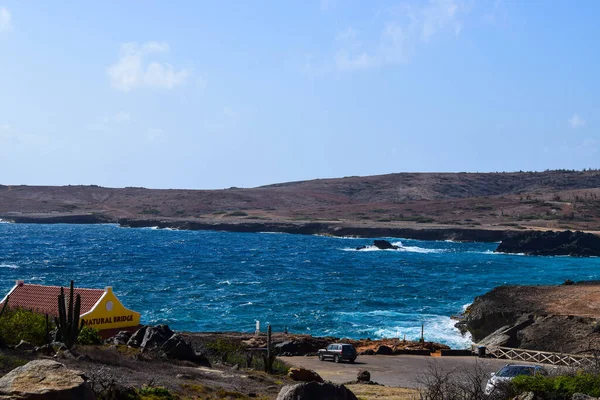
(222, 281)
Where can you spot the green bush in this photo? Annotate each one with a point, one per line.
(155, 393)
(559, 387)
(89, 336)
(20, 324)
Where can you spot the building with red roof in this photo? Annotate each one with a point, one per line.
(100, 308)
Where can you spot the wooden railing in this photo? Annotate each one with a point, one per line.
(543, 357)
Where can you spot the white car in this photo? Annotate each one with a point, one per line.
(509, 372)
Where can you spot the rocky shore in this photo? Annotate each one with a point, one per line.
(548, 243)
(564, 318)
(303, 228)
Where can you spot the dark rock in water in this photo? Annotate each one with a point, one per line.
(384, 245)
(564, 243)
(381, 245)
(315, 390)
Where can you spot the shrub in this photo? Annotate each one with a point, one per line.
(89, 336)
(559, 387)
(155, 392)
(236, 214)
(20, 324)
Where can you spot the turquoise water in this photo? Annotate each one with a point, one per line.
(220, 281)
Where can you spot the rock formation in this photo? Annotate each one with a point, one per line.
(315, 390)
(545, 318)
(538, 243)
(304, 375)
(45, 379)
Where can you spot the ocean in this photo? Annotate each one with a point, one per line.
(223, 281)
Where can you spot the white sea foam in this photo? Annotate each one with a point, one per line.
(405, 249)
(465, 306)
(224, 283)
(11, 266)
(437, 329)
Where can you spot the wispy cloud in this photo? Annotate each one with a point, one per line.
(404, 29)
(132, 70)
(576, 121)
(5, 20)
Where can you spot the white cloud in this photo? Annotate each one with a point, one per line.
(406, 28)
(576, 121)
(5, 20)
(132, 70)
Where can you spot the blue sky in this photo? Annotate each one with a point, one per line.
(230, 93)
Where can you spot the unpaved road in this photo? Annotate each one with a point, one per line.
(400, 371)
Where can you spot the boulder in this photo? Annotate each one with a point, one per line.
(155, 337)
(381, 245)
(384, 245)
(176, 347)
(45, 379)
(315, 391)
(304, 375)
(384, 350)
(367, 352)
(582, 396)
(25, 346)
(138, 336)
(120, 338)
(288, 347)
(363, 376)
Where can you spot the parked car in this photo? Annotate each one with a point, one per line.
(509, 372)
(338, 352)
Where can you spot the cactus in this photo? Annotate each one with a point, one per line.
(270, 356)
(67, 321)
(4, 306)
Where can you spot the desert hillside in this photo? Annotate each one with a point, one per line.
(484, 201)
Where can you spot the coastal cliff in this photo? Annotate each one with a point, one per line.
(563, 318)
(564, 243)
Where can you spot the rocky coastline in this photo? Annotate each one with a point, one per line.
(563, 318)
(303, 228)
(565, 243)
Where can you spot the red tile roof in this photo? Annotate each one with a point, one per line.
(44, 299)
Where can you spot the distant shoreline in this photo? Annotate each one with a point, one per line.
(292, 227)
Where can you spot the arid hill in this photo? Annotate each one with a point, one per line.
(555, 200)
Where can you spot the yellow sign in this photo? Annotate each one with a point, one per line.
(109, 313)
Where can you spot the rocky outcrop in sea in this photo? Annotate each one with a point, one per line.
(566, 243)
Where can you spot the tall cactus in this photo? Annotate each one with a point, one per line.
(67, 322)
